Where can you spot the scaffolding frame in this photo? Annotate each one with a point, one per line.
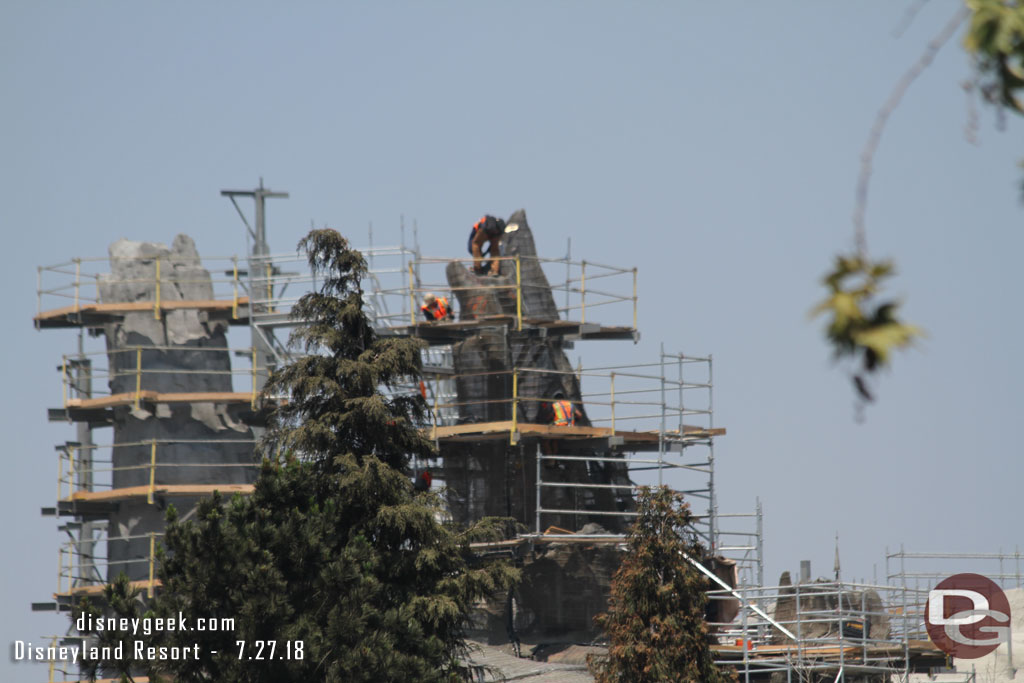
(828, 634)
(139, 375)
(78, 463)
(260, 295)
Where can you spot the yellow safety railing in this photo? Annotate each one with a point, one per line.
(643, 397)
(156, 296)
(152, 563)
(234, 288)
(53, 662)
(394, 282)
(513, 437)
(143, 565)
(252, 399)
(577, 290)
(90, 467)
(138, 376)
(519, 295)
(152, 474)
(100, 378)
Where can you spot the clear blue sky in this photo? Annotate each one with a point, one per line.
(713, 145)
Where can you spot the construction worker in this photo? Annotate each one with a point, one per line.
(562, 413)
(436, 308)
(487, 229)
(423, 481)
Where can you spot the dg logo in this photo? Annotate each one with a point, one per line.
(967, 616)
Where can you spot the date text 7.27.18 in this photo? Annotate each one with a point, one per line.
(270, 649)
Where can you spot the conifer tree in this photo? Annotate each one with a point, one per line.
(334, 549)
(335, 407)
(655, 619)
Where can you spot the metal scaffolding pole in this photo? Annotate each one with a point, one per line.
(84, 475)
(260, 275)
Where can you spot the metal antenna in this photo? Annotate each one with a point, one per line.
(259, 274)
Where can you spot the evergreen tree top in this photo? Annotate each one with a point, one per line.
(655, 619)
(332, 403)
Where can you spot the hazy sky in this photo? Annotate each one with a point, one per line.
(715, 146)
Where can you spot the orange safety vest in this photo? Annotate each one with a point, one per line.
(565, 414)
(495, 228)
(439, 311)
(491, 226)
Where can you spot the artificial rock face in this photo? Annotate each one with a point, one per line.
(564, 587)
(183, 351)
(493, 478)
(816, 599)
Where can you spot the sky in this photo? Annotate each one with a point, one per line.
(714, 146)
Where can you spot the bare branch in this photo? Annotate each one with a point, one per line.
(908, 18)
(868, 154)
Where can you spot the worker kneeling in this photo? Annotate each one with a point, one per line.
(560, 413)
(436, 308)
(564, 412)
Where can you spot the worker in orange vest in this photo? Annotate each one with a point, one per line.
(565, 413)
(560, 413)
(487, 229)
(436, 308)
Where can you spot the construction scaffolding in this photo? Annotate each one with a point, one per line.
(186, 422)
(924, 570)
(842, 631)
(825, 630)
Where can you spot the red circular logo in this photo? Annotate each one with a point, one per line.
(967, 616)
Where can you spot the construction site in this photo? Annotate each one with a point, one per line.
(161, 390)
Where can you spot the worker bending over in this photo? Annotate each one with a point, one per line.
(436, 308)
(487, 229)
(560, 412)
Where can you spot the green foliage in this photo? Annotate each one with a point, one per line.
(996, 40)
(124, 601)
(655, 619)
(859, 327)
(334, 405)
(334, 548)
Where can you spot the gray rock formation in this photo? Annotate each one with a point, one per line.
(184, 351)
(565, 585)
(491, 479)
(814, 610)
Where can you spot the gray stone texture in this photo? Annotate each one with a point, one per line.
(565, 585)
(812, 610)
(184, 351)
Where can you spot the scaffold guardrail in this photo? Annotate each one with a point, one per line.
(85, 565)
(831, 625)
(635, 398)
(89, 468)
(133, 366)
(268, 287)
(573, 296)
